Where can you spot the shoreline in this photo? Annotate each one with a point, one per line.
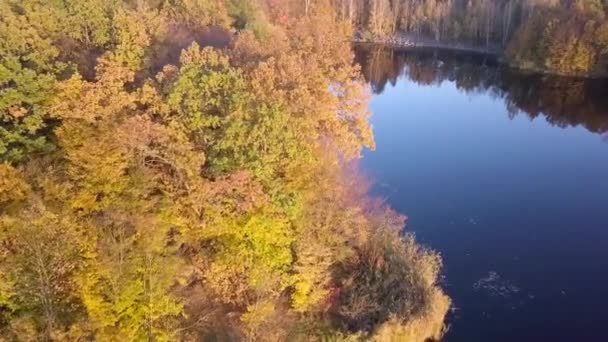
(403, 44)
(407, 41)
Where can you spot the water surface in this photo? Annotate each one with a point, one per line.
(506, 175)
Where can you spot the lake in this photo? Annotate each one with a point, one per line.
(506, 175)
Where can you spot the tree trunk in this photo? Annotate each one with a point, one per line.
(488, 30)
(507, 22)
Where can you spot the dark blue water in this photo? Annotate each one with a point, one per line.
(506, 175)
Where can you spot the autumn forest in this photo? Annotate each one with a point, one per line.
(186, 170)
(568, 37)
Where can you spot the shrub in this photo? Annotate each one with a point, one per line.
(390, 288)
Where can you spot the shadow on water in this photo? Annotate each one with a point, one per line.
(562, 101)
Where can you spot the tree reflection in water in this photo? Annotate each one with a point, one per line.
(563, 101)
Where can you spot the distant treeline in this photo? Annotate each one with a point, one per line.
(559, 36)
(562, 101)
